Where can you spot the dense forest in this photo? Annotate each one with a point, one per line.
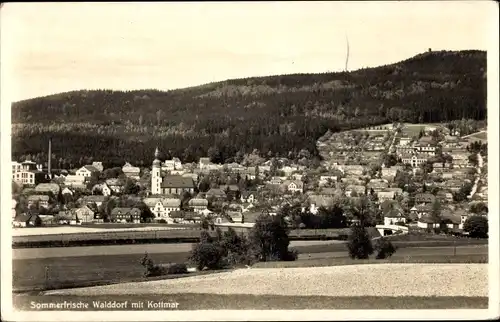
(269, 116)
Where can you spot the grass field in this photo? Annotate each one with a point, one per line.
(268, 302)
(77, 271)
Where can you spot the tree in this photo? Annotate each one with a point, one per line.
(269, 238)
(359, 243)
(385, 248)
(130, 188)
(476, 226)
(479, 208)
(436, 211)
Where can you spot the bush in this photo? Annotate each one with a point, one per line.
(175, 268)
(385, 249)
(151, 268)
(359, 244)
(291, 256)
(477, 226)
(207, 255)
(162, 221)
(269, 239)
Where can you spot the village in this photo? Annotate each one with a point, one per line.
(429, 178)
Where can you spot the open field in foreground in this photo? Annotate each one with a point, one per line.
(470, 280)
(72, 267)
(269, 302)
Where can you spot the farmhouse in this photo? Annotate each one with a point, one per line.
(126, 215)
(393, 217)
(131, 172)
(87, 171)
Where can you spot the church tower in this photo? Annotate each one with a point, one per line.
(156, 174)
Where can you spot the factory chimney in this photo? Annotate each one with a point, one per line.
(50, 158)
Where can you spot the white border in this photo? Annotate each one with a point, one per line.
(8, 87)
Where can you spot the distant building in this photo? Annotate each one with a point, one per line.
(131, 172)
(126, 215)
(170, 184)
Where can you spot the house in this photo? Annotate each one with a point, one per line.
(403, 141)
(28, 177)
(177, 185)
(126, 215)
(414, 160)
(393, 217)
(42, 200)
(385, 195)
(294, 186)
(101, 188)
(248, 196)
(172, 165)
(235, 216)
(420, 210)
(97, 199)
(276, 181)
(377, 185)
(454, 185)
(87, 171)
(53, 188)
(231, 190)
(204, 163)
(316, 201)
(163, 207)
(116, 185)
(85, 214)
(199, 205)
(67, 191)
(424, 198)
(26, 220)
(98, 166)
(325, 179)
(426, 148)
(75, 181)
(215, 193)
(388, 173)
(131, 172)
(352, 169)
(357, 189)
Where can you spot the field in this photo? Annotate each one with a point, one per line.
(82, 266)
(393, 280)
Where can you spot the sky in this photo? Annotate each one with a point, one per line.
(57, 47)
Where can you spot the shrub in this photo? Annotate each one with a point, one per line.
(359, 244)
(151, 268)
(269, 239)
(162, 221)
(477, 226)
(207, 255)
(175, 268)
(385, 249)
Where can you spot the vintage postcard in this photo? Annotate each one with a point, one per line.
(190, 161)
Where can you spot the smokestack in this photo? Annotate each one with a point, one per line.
(50, 156)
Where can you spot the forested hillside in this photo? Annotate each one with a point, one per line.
(276, 115)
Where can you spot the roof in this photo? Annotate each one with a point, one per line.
(393, 213)
(151, 202)
(126, 211)
(424, 196)
(246, 194)
(114, 182)
(205, 160)
(93, 198)
(45, 187)
(171, 202)
(198, 202)
(177, 182)
(215, 192)
(91, 168)
(38, 197)
(22, 218)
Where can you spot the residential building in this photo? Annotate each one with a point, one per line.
(42, 200)
(28, 177)
(248, 196)
(414, 160)
(404, 149)
(199, 205)
(424, 198)
(75, 181)
(85, 214)
(97, 199)
(385, 195)
(325, 179)
(116, 185)
(215, 193)
(163, 207)
(377, 185)
(126, 215)
(98, 166)
(53, 188)
(294, 186)
(393, 217)
(131, 172)
(358, 189)
(87, 171)
(426, 148)
(171, 165)
(103, 188)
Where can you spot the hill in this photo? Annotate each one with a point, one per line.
(275, 115)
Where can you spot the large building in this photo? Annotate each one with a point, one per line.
(170, 184)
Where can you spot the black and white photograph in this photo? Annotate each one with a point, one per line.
(315, 160)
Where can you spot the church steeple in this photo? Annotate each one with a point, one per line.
(157, 154)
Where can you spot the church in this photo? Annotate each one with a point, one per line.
(168, 184)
